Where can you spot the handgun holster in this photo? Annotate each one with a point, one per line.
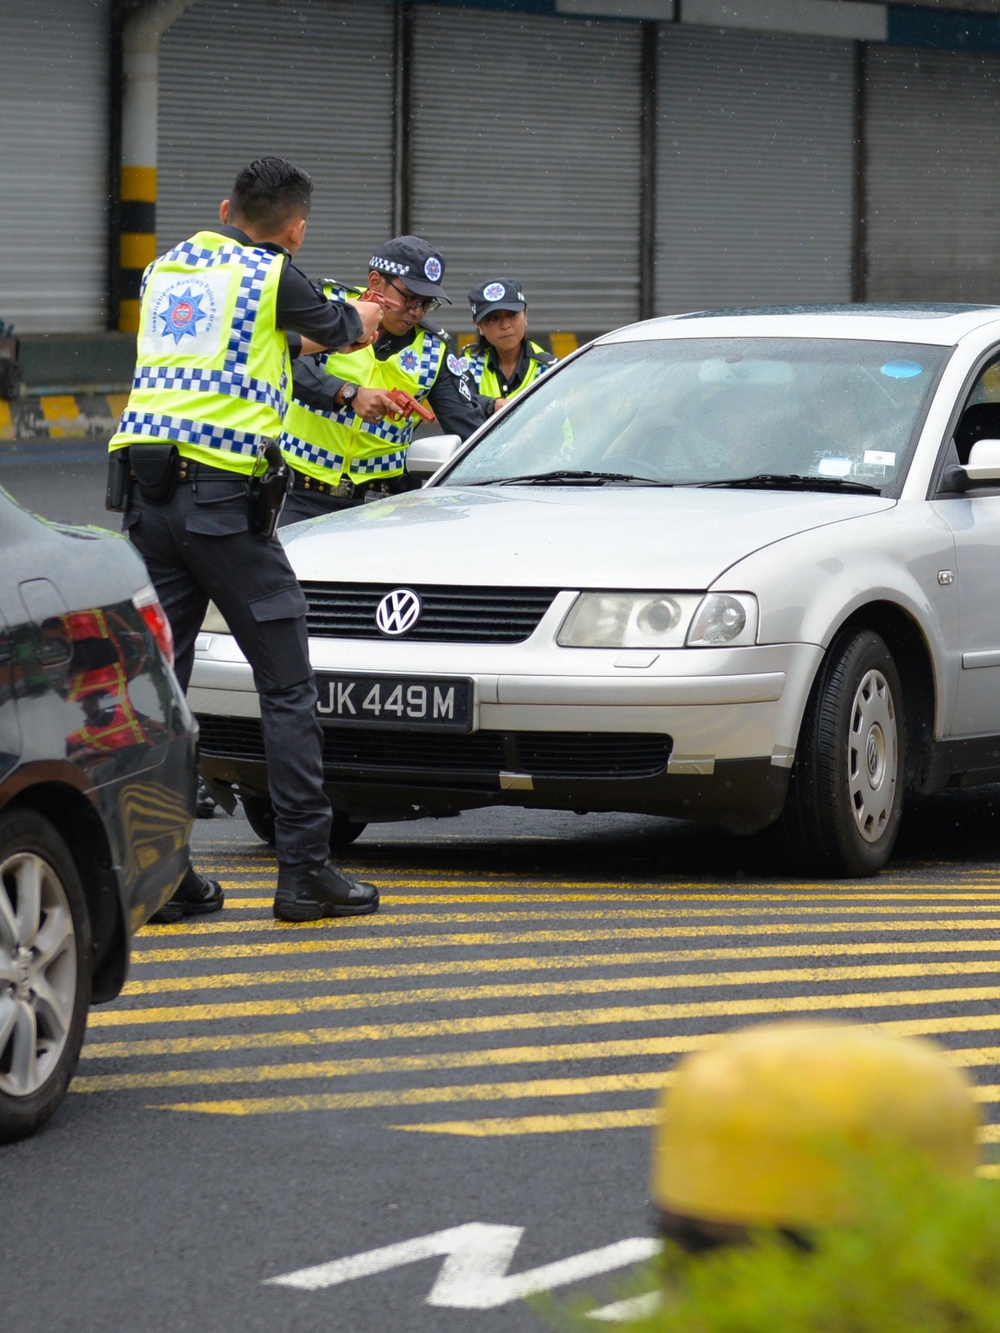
(267, 493)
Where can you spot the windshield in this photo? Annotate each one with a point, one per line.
(816, 413)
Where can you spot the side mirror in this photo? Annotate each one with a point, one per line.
(425, 456)
(983, 467)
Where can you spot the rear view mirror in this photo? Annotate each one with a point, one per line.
(425, 456)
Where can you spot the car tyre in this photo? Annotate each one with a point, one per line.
(845, 796)
(260, 816)
(45, 962)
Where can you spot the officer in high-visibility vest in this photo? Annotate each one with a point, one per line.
(503, 360)
(220, 314)
(344, 438)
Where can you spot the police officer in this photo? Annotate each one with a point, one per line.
(220, 315)
(503, 360)
(344, 438)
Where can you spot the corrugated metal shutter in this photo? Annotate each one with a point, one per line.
(755, 179)
(932, 126)
(311, 81)
(525, 160)
(54, 62)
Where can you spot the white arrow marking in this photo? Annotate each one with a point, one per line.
(474, 1273)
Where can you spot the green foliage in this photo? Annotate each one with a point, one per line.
(926, 1259)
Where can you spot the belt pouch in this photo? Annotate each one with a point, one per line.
(155, 467)
(116, 496)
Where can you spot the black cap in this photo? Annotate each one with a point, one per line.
(496, 294)
(415, 262)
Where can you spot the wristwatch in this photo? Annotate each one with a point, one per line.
(348, 393)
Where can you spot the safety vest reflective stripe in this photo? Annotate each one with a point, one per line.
(151, 426)
(486, 380)
(379, 466)
(311, 453)
(210, 381)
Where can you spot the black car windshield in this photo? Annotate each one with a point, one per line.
(710, 411)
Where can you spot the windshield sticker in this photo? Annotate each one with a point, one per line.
(880, 457)
(834, 467)
(902, 370)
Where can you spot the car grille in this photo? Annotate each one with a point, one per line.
(448, 614)
(570, 754)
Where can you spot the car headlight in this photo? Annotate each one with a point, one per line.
(214, 622)
(724, 620)
(659, 620)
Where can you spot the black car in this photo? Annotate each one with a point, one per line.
(97, 791)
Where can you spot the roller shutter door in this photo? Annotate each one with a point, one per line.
(525, 160)
(54, 63)
(932, 124)
(311, 82)
(755, 170)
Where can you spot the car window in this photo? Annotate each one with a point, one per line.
(697, 411)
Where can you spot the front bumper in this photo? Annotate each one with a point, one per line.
(692, 733)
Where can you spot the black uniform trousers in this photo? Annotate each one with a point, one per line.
(197, 547)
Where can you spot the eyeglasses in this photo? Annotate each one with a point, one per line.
(411, 302)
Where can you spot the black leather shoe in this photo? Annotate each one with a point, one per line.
(194, 896)
(308, 892)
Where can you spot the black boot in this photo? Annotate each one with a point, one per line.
(315, 889)
(194, 896)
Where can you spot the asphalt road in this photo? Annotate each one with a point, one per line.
(471, 1073)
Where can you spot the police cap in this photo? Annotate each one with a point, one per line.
(415, 262)
(496, 294)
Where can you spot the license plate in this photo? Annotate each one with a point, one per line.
(396, 701)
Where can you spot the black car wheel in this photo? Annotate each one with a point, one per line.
(260, 816)
(45, 956)
(845, 797)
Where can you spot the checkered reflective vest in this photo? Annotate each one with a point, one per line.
(485, 378)
(329, 445)
(213, 370)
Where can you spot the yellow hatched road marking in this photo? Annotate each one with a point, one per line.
(464, 1026)
(540, 1124)
(462, 1092)
(614, 894)
(387, 919)
(195, 1013)
(310, 976)
(210, 953)
(494, 1056)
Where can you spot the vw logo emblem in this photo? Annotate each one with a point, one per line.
(398, 611)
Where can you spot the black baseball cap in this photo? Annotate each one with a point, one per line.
(415, 262)
(496, 294)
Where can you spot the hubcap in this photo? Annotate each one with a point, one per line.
(37, 973)
(872, 756)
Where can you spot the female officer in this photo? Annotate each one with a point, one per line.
(502, 361)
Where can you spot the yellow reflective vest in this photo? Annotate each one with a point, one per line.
(329, 445)
(212, 369)
(485, 378)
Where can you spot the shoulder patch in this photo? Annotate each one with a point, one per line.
(457, 364)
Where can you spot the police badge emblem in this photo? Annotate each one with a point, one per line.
(433, 269)
(409, 360)
(496, 291)
(457, 364)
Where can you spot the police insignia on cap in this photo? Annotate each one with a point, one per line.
(496, 291)
(457, 364)
(432, 269)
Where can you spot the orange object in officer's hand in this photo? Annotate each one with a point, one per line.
(407, 404)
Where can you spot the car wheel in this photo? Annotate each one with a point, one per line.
(45, 958)
(845, 796)
(260, 816)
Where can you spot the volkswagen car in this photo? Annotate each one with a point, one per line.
(733, 566)
(97, 791)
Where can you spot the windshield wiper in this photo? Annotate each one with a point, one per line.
(792, 481)
(565, 476)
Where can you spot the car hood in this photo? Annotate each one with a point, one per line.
(608, 537)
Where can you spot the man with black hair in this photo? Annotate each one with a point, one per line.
(222, 315)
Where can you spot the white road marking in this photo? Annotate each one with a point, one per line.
(474, 1274)
(636, 1307)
